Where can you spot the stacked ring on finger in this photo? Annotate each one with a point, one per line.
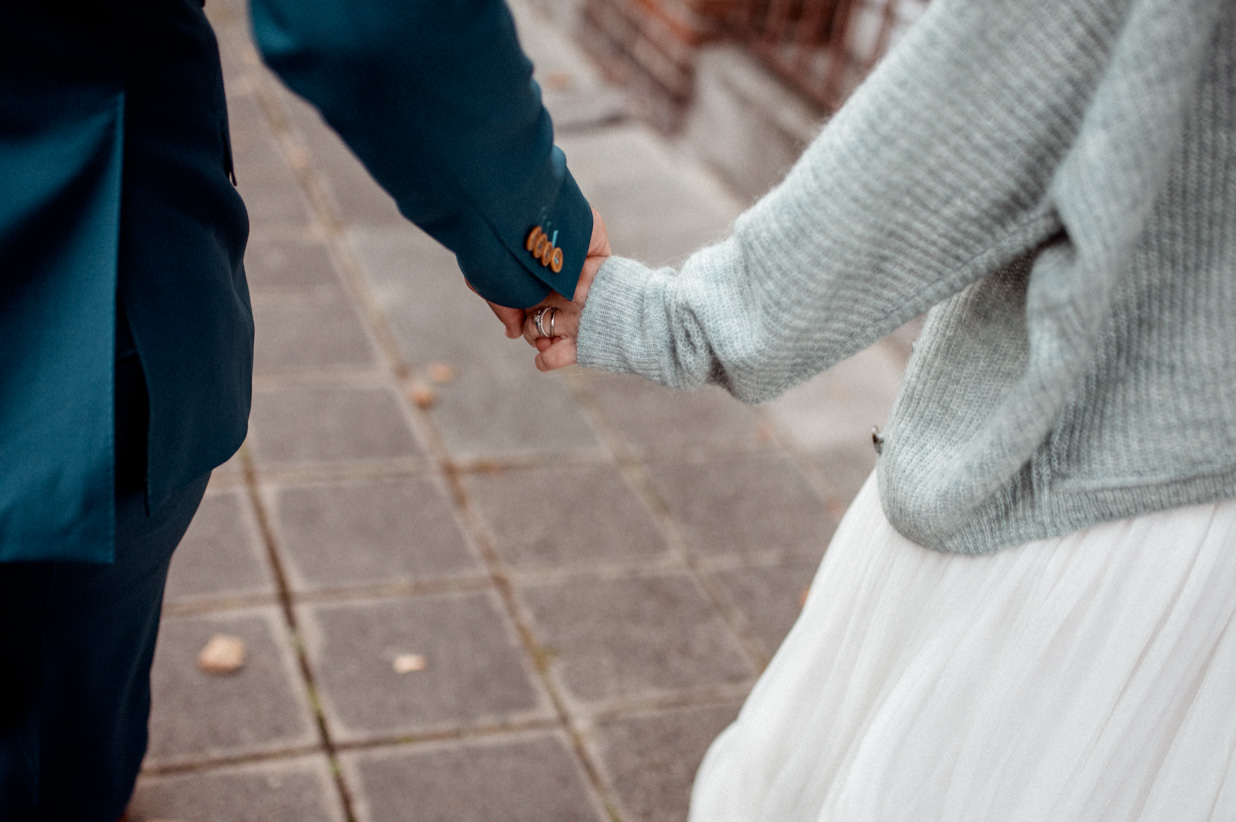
(539, 319)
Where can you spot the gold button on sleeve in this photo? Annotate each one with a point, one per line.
(533, 236)
(555, 261)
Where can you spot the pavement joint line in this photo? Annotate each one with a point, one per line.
(462, 733)
(286, 601)
(479, 583)
(389, 351)
(603, 712)
(628, 569)
(496, 466)
(637, 475)
(617, 707)
(207, 606)
(324, 473)
(210, 763)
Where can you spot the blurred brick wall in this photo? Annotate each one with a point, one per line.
(649, 46)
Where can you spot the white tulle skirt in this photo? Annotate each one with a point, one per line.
(1088, 677)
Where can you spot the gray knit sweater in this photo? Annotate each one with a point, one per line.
(1056, 181)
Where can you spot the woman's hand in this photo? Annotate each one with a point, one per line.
(553, 325)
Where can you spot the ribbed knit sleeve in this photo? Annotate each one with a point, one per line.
(939, 170)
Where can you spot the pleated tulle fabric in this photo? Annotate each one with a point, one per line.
(1088, 677)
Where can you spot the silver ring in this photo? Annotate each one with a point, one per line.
(538, 318)
(553, 316)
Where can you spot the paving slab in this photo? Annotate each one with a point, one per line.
(369, 532)
(559, 518)
(754, 504)
(510, 417)
(262, 708)
(513, 778)
(292, 267)
(610, 639)
(315, 336)
(769, 597)
(475, 673)
(299, 789)
(649, 759)
(221, 556)
(648, 421)
(313, 425)
(403, 267)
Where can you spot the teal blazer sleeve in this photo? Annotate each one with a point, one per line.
(436, 98)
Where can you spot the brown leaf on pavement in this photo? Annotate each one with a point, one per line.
(559, 80)
(410, 663)
(442, 373)
(222, 655)
(422, 395)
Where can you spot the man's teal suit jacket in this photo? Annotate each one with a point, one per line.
(115, 191)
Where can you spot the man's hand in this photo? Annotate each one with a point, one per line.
(512, 318)
(559, 316)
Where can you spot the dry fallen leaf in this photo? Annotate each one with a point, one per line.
(410, 663)
(559, 80)
(222, 655)
(423, 396)
(442, 373)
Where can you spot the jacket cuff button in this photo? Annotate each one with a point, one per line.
(533, 235)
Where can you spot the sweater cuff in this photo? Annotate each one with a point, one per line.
(613, 327)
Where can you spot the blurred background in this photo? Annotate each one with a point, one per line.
(465, 590)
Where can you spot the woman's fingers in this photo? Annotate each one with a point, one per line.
(559, 354)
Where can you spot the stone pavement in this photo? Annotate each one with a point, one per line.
(594, 570)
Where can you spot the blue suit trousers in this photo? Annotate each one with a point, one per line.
(76, 644)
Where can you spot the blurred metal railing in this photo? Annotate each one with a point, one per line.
(824, 47)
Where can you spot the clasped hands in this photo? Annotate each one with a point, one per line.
(554, 335)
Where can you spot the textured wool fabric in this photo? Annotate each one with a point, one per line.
(1081, 678)
(1056, 180)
